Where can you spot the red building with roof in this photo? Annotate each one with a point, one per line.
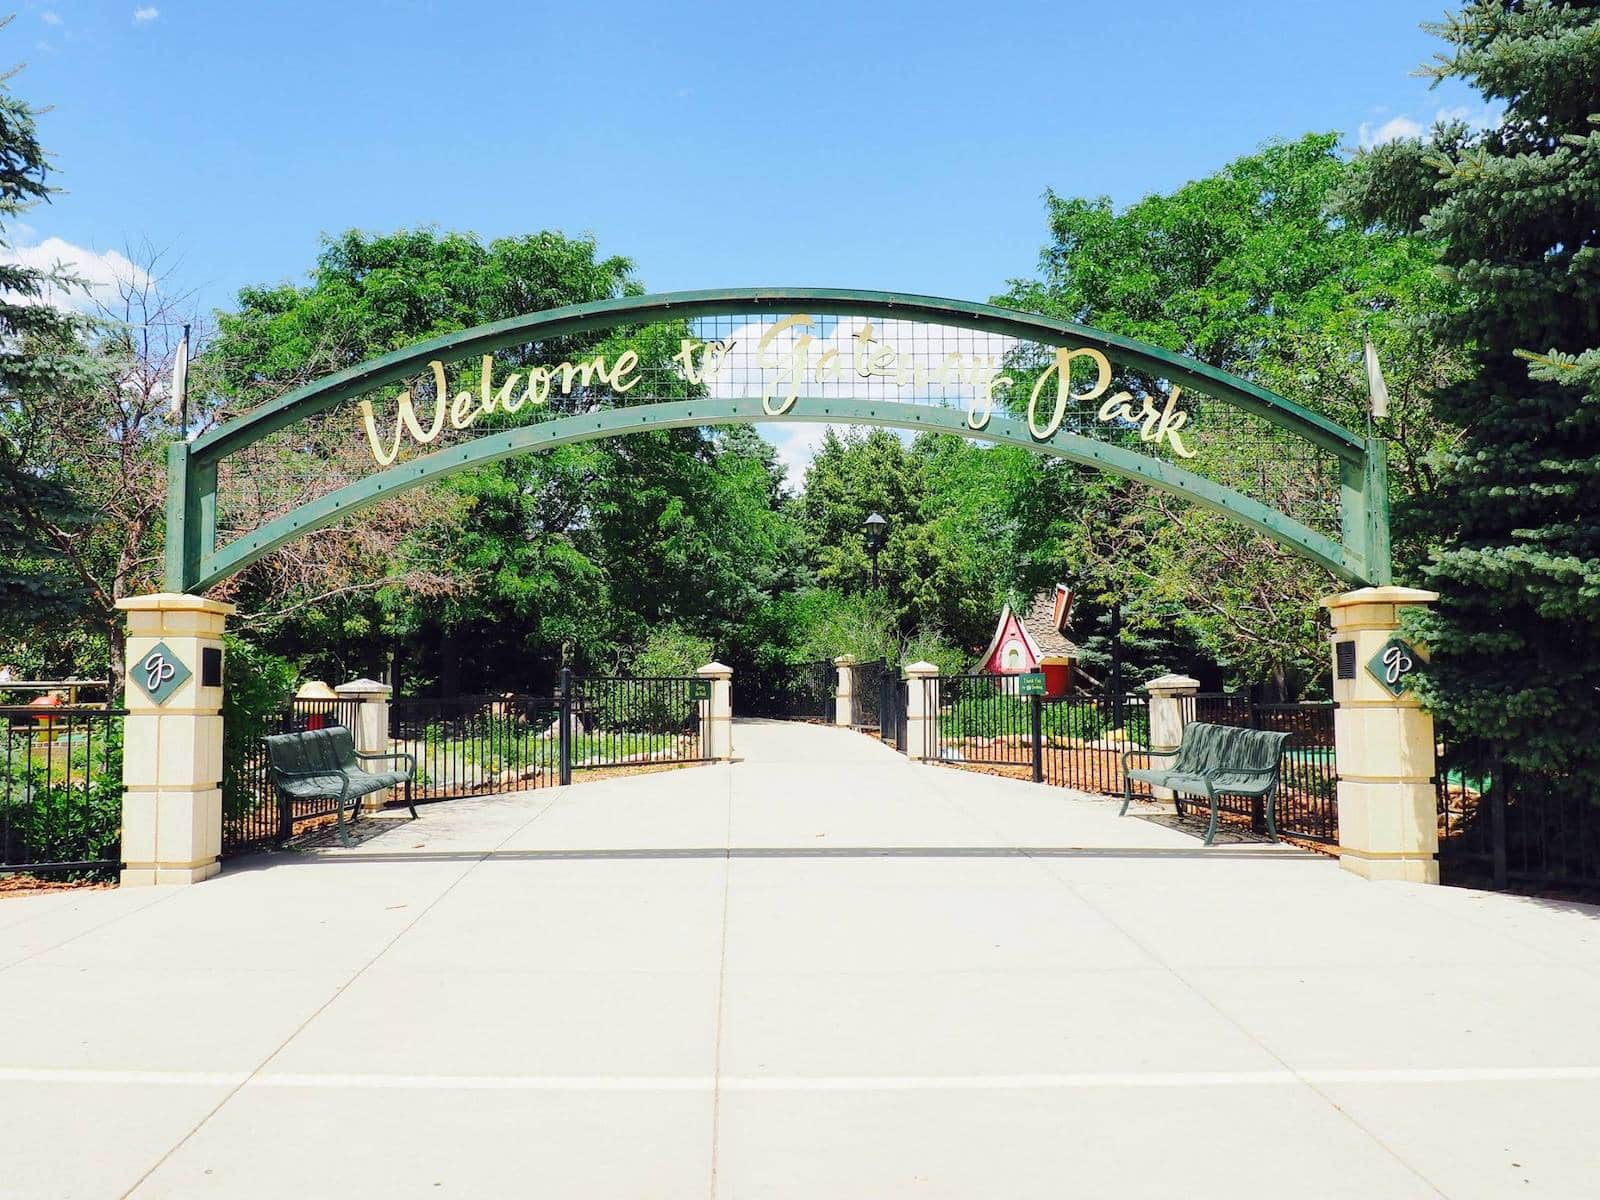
(1035, 640)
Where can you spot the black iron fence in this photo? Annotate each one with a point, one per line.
(981, 718)
(629, 721)
(484, 745)
(1497, 830)
(787, 691)
(478, 745)
(1085, 737)
(1079, 741)
(60, 790)
(867, 696)
(892, 710)
(1307, 804)
(253, 816)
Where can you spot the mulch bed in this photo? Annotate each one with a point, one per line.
(35, 885)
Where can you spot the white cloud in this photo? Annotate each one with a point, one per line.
(1392, 130)
(99, 272)
(797, 445)
(50, 18)
(1484, 116)
(145, 14)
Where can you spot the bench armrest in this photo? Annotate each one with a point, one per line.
(409, 759)
(1127, 754)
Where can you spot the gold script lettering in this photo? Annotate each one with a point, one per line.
(406, 419)
(1062, 370)
(790, 366)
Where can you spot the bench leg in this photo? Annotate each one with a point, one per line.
(1211, 829)
(409, 803)
(1272, 814)
(344, 834)
(1127, 795)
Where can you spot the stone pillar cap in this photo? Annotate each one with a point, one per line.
(1380, 595)
(1172, 683)
(364, 687)
(174, 602)
(715, 670)
(845, 660)
(920, 669)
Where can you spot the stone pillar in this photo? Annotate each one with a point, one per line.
(1171, 708)
(1388, 823)
(172, 740)
(370, 729)
(716, 714)
(844, 695)
(922, 712)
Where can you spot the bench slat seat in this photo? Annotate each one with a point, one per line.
(320, 764)
(1213, 761)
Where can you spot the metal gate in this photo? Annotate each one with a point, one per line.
(892, 710)
(864, 701)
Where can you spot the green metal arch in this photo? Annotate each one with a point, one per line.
(194, 562)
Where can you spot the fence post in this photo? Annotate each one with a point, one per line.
(564, 767)
(844, 692)
(372, 727)
(1036, 728)
(716, 714)
(1383, 740)
(172, 739)
(1171, 708)
(922, 718)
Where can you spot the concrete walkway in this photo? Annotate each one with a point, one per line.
(818, 972)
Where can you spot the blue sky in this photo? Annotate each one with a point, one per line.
(890, 145)
(900, 146)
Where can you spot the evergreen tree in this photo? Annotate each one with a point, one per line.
(40, 355)
(1515, 638)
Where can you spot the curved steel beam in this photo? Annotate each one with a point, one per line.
(632, 310)
(604, 423)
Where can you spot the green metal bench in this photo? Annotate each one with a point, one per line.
(322, 764)
(1215, 761)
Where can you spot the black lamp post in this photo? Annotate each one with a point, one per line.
(876, 530)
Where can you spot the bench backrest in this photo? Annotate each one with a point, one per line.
(1208, 748)
(330, 749)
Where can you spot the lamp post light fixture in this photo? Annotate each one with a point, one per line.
(876, 530)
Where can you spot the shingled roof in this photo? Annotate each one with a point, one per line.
(1040, 622)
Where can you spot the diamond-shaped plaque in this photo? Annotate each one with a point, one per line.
(159, 673)
(1393, 664)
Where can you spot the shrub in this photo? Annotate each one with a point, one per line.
(256, 687)
(69, 808)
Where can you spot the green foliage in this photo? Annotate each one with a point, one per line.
(571, 556)
(1248, 270)
(985, 712)
(672, 650)
(40, 358)
(1515, 638)
(256, 686)
(1070, 721)
(63, 801)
